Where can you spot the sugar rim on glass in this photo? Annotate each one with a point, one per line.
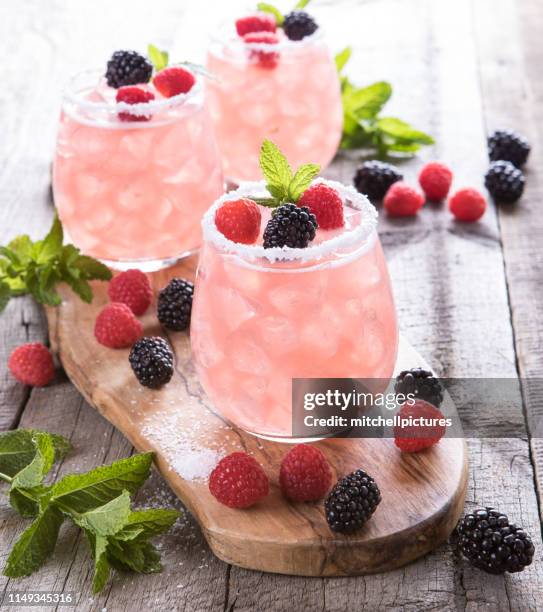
(357, 235)
(141, 108)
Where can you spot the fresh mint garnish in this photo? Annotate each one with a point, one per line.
(281, 183)
(97, 501)
(301, 4)
(363, 127)
(158, 58)
(38, 267)
(269, 8)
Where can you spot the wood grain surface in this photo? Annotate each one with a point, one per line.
(468, 296)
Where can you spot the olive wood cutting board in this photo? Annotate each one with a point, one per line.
(422, 494)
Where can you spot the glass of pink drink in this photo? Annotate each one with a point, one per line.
(132, 193)
(262, 317)
(293, 99)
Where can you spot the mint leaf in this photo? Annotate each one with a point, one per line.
(158, 58)
(35, 544)
(29, 502)
(22, 247)
(397, 128)
(342, 58)
(10, 255)
(91, 268)
(367, 102)
(33, 474)
(269, 8)
(84, 492)
(80, 287)
(107, 519)
(276, 170)
(101, 564)
(147, 523)
(5, 294)
(51, 245)
(301, 181)
(301, 4)
(137, 556)
(17, 449)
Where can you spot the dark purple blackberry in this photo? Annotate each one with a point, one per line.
(290, 225)
(374, 178)
(128, 68)
(298, 25)
(509, 146)
(175, 304)
(151, 360)
(487, 539)
(351, 502)
(504, 182)
(420, 383)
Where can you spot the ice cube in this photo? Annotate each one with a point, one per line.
(277, 334)
(88, 186)
(205, 348)
(300, 294)
(322, 339)
(187, 171)
(233, 308)
(247, 356)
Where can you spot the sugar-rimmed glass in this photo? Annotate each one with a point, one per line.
(132, 193)
(296, 103)
(262, 317)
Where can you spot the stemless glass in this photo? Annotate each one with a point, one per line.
(326, 311)
(294, 100)
(132, 193)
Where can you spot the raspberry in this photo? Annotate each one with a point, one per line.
(414, 438)
(467, 205)
(128, 68)
(401, 200)
(133, 95)
(259, 22)
(325, 203)
(32, 364)
(239, 220)
(435, 180)
(133, 289)
(305, 474)
(173, 81)
(238, 481)
(265, 59)
(116, 326)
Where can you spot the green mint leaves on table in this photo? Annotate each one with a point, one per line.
(363, 127)
(37, 267)
(97, 501)
(281, 183)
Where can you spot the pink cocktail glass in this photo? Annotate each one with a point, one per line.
(262, 317)
(132, 193)
(296, 102)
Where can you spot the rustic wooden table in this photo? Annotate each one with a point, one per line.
(468, 297)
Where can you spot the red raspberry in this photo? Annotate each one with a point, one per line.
(435, 180)
(239, 220)
(265, 59)
(173, 81)
(32, 364)
(401, 200)
(325, 203)
(414, 438)
(133, 95)
(238, 481)
(305, 474)
(133, 289)
(116, 326)
(260, 22)
(467, 205)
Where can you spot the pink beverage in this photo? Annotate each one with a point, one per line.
(132, 193)
(262, 317)
(295, 102)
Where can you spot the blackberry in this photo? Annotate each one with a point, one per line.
(504, 182)
(290, 225)
(351, 502)
(374, 178)
(421, 383)
(487, 539)
(298, 25)
(151, 360)
(509, 146)
(175, 304)
(128, 68)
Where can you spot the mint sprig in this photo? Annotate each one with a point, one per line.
(265, 7)
(363, 127)
(97, 501)
(38, 267)
(281, 183)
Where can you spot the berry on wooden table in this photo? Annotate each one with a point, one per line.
(238, 481)
(128, 68)
(175, 304)
(412, 438)
(239, 220)
(151, 360)
(504, 181)
(420, 383)
(116, 326)
(374, 178)
(509, 146)
(402, 200)
(32, 364)
(132, 288)
(305, 474)
(435, 179)
(467, 205)
(325, 203)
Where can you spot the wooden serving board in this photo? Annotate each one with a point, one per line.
(422, 494)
